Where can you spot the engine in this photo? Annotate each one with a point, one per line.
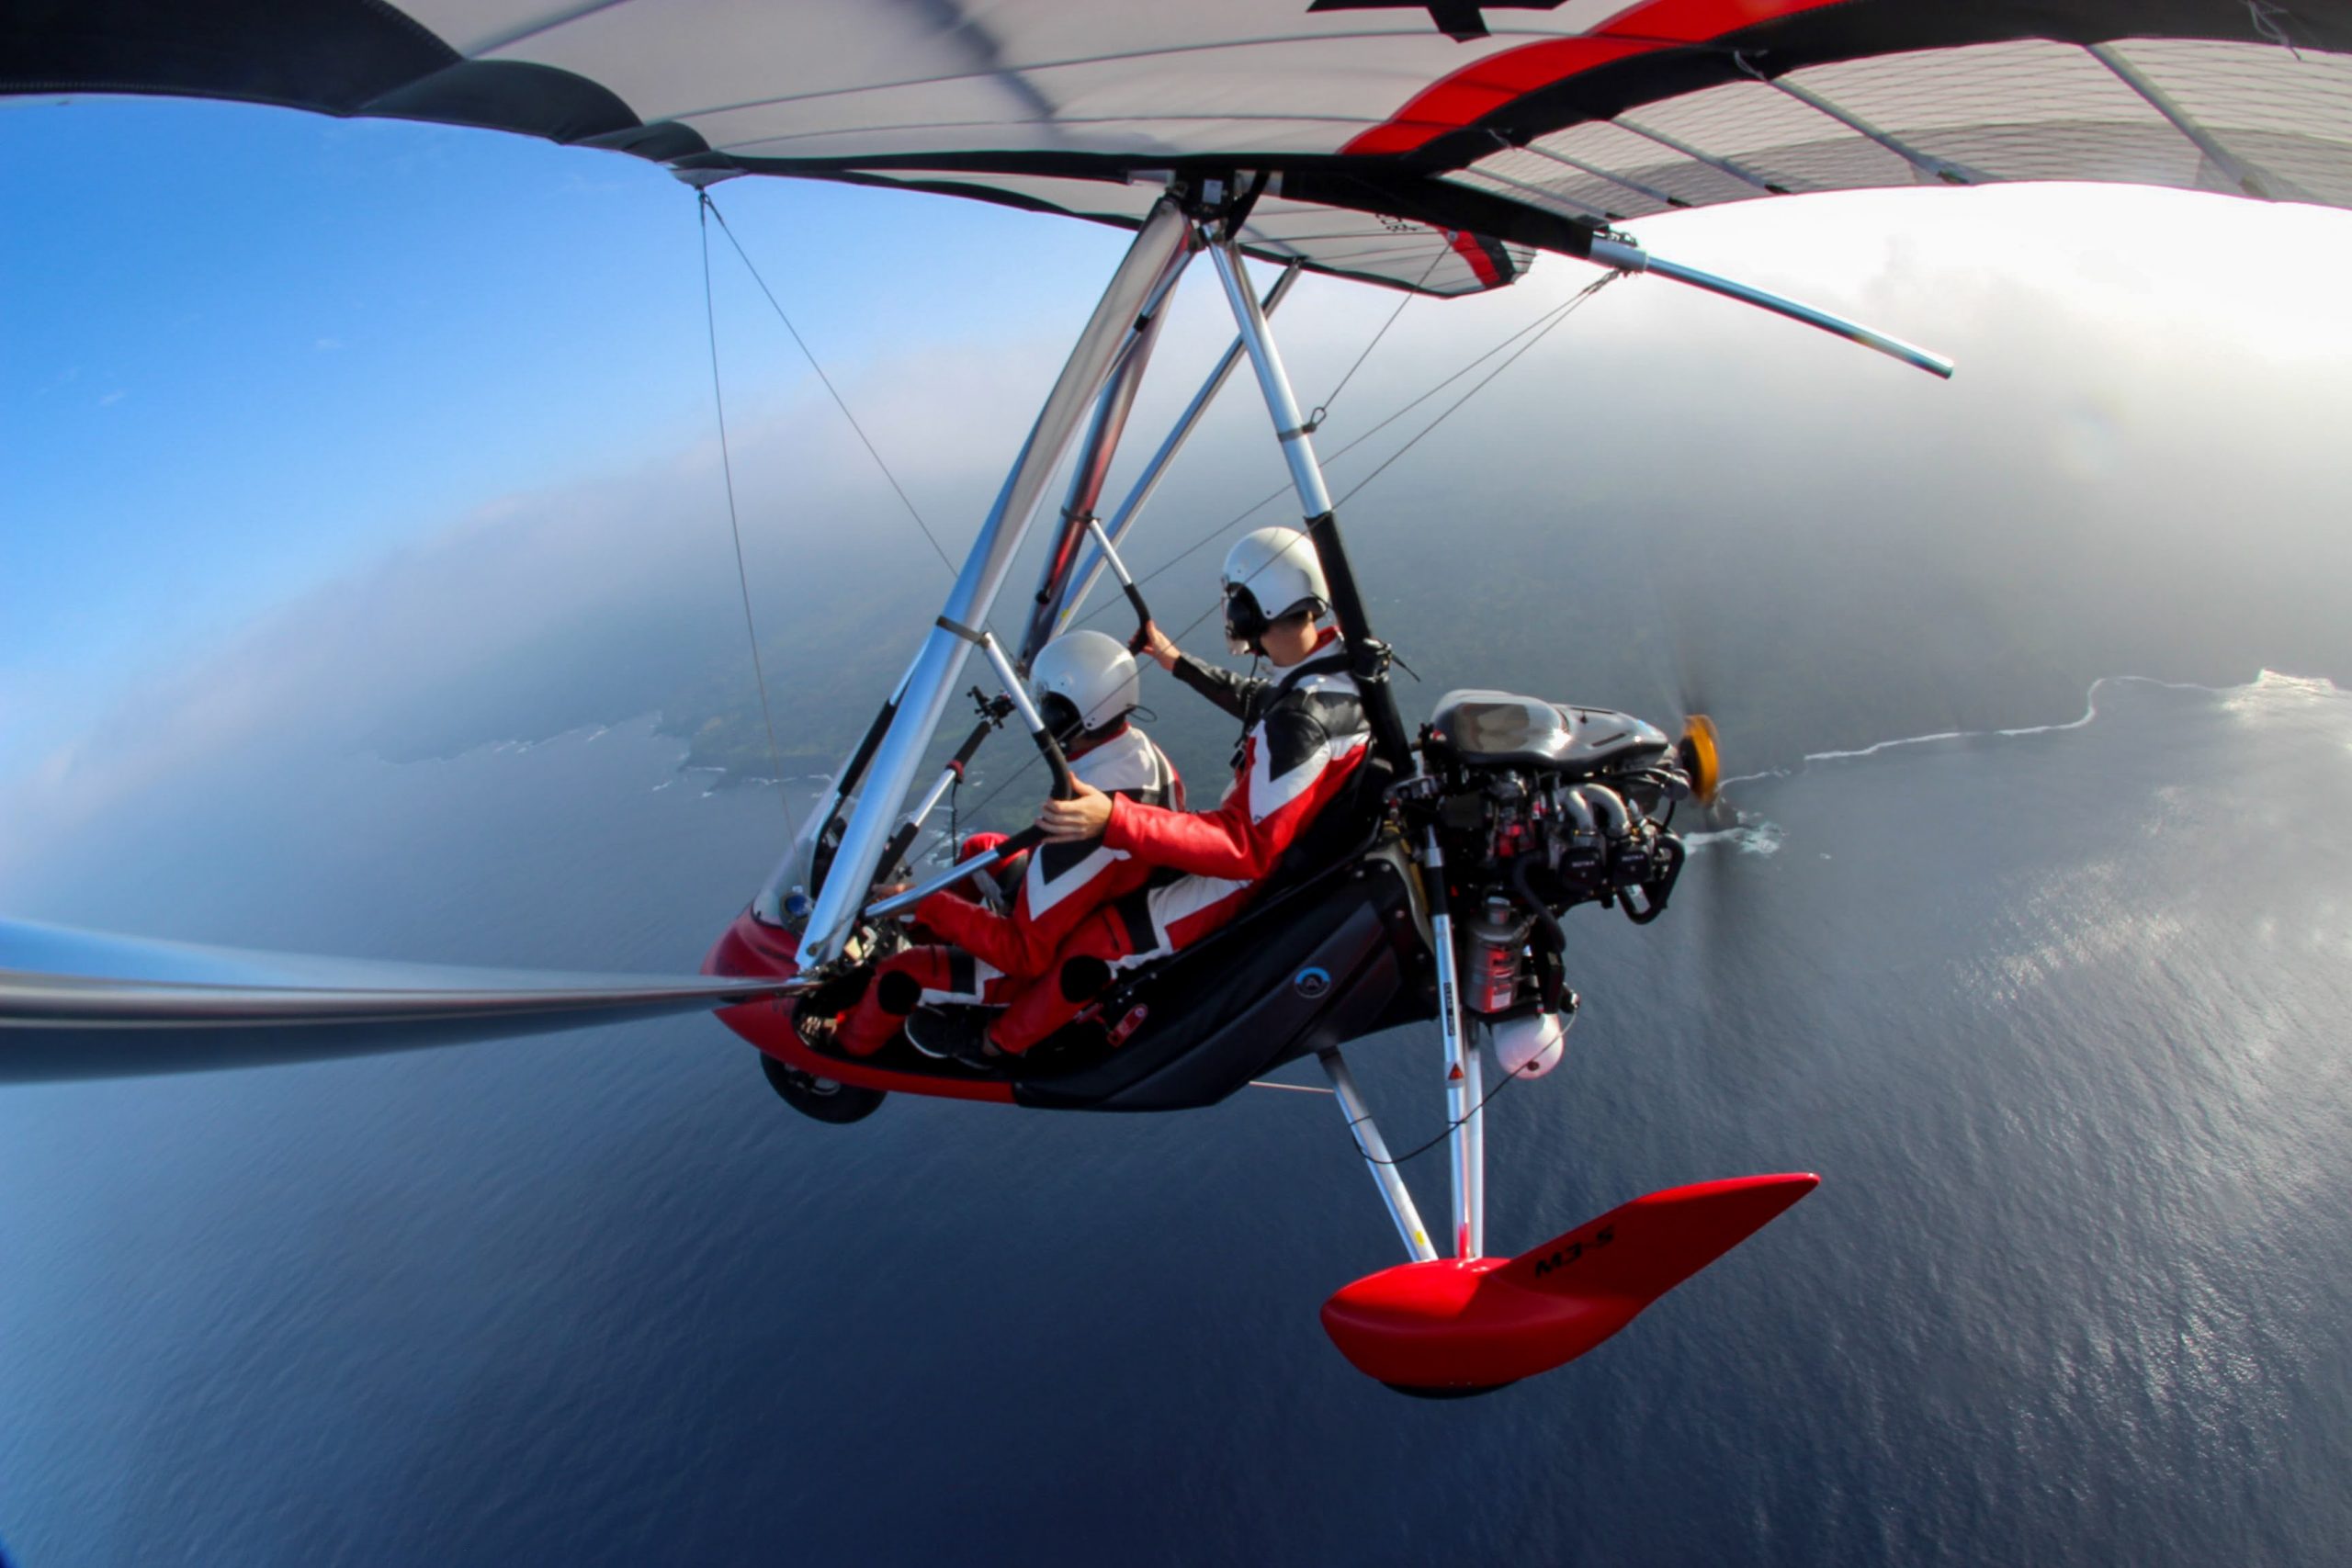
(1539, 807)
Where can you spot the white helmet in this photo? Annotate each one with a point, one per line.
(1084, 680)
(1270, 574)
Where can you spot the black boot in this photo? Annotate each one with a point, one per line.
(954, 1034)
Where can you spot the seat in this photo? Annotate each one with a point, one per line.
(1311, 915)
(1309, 966)
(1343, 830)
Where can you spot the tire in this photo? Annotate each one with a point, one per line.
(820, 1100)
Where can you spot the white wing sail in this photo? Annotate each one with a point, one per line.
(1429, 145)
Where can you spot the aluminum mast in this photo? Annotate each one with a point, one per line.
(1148, 482)
(1094, 464)
(1463, 1096)
(1158, 246)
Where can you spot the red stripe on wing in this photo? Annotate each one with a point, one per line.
(1472, 248)
(1500, 79)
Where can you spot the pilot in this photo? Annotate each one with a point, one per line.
(1086, 685)
(1304, 735)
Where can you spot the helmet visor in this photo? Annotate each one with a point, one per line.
(1245, 623)
(1063, 721)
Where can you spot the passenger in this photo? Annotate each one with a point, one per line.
(1086, 686)
(1303, 735)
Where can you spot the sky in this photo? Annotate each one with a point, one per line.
(292, 343)
(304, 419)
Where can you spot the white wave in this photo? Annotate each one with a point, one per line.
(2270, 688)
(2265, 684)
(2090, 702)
(1873, 751)
(665, 783)
(1759, 838)
(2309, 685)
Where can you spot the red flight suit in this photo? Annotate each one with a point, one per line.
(1306, 736)
(1059, 885)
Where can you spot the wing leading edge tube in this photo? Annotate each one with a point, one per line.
(78, 1004)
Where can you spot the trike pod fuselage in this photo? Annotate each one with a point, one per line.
(1310, 967)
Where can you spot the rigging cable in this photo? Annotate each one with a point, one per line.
(1534, 331)
(710, 210)
(1539, 328)
(1323, 410)
(1543, 322)
(734, 524)
(1447, 1131)
(1587, 292)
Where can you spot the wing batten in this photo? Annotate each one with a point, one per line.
(2014, 110)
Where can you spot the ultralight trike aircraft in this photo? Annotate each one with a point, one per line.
(1432, 147)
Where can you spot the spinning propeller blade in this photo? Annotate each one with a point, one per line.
(1714, 890)
(78, 1004)
(1699, 752)
(1700, 745)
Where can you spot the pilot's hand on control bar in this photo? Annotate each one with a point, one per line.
(1159, 647)
(1083, 815)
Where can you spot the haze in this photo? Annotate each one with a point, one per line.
(2136, 470)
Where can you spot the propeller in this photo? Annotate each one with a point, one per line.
(81, 1005)
(1699, 752)
(1699, 744)
(1714, 895)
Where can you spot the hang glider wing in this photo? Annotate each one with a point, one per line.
(74, 1005)
(1427, 144)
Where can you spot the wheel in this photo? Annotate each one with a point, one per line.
(822, 1099)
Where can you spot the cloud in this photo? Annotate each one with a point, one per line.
(584, 602)
(112, 397)
(327, 344)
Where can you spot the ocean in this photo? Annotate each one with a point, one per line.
(2059, 1016)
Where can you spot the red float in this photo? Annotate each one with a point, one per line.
(1457, 1326)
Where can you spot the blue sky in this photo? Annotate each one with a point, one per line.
(247, 348)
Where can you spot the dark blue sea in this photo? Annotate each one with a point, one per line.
(2060, 1016)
